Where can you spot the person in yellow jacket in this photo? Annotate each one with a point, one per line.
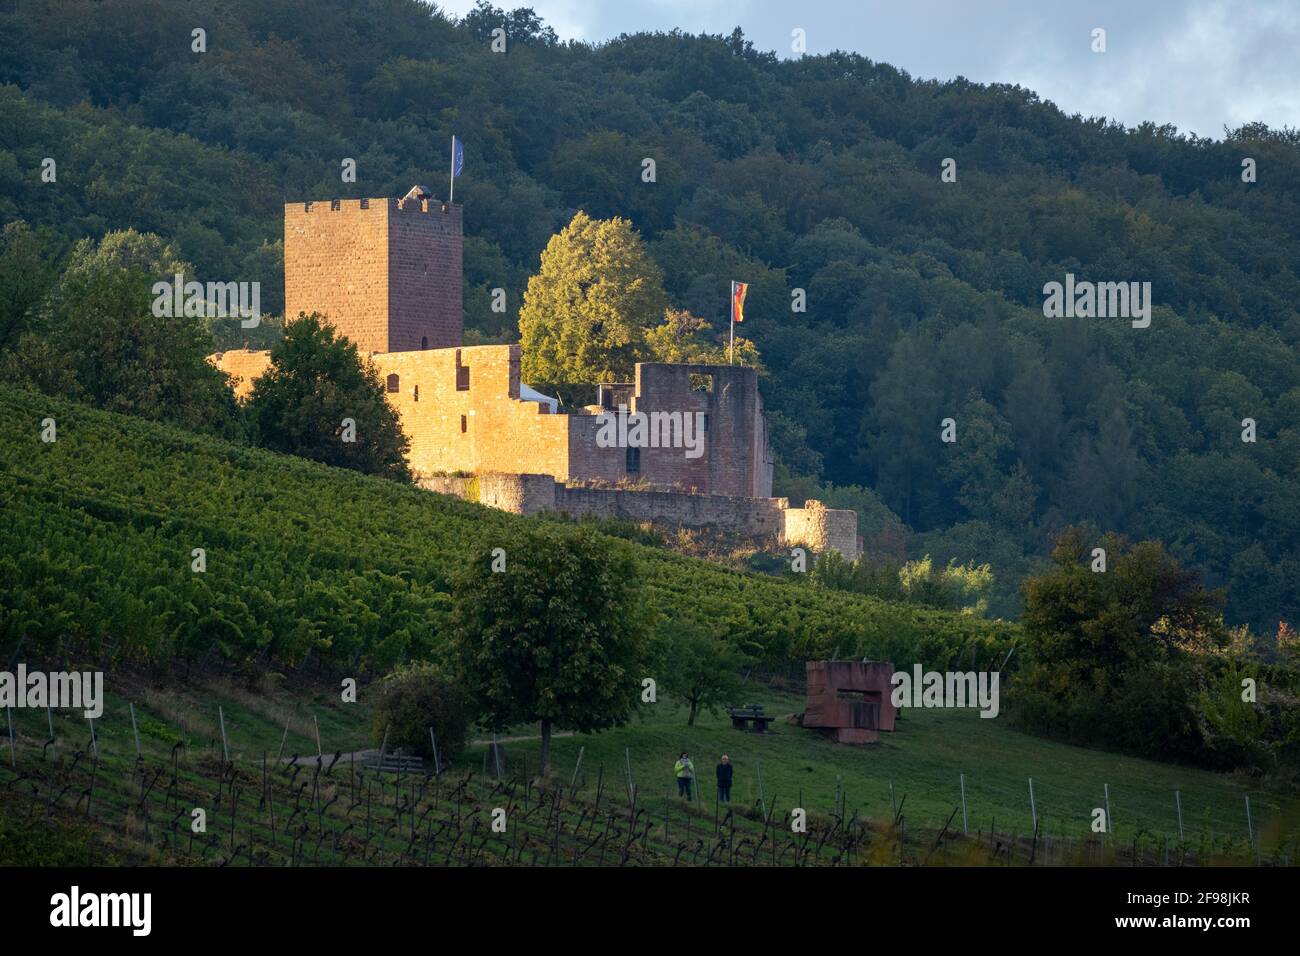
(685, 771)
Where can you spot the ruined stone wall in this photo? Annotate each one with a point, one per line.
(746, 516)
(532, 494)
(822, 529)
(587, 460)
(520, 494)
(386, 273)
(815, 526)
(480, 427)
(244, 366)
(456, 486)
(735, 458)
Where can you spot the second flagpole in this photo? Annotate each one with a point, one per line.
(731, 309)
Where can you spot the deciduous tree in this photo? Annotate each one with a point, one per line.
(559, 636)
(315, 383)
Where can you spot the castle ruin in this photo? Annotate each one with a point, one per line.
(387, 274)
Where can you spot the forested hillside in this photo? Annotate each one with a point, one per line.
(923, 297)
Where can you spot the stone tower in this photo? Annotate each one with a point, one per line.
(385, 272)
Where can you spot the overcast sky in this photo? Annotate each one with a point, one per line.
(1198, 64)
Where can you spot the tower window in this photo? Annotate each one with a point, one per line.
(464, 424)
(416, 393)
(634, 461)
(394, 383)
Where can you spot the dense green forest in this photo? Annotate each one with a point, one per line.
(822, 174)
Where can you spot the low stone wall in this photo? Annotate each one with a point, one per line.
(813, 526)
(446, 485)
(823, 529)
(747, 516)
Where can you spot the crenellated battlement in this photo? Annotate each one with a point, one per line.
(376, 206)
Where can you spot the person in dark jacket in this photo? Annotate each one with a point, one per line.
(724, 779)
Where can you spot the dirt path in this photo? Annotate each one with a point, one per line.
(515, 740)
(358, 755)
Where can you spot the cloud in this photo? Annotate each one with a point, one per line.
(1212, 65)
(1200, 65)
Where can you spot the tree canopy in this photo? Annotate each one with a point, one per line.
(1118, 644)
(320, 400)
(553, 629)
(586, 312)
(921, 299)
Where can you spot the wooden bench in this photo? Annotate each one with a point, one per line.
(749, 718)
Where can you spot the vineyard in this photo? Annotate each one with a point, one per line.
(128, 542)
(125, 791)
(225, 590)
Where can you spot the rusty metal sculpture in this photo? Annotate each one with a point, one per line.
(849, 701)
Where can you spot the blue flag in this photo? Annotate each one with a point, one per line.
(457, 156)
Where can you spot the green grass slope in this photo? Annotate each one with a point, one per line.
(268, 804)
(925, 758)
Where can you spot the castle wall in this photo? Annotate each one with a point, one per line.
(746, 516)
(756, 517)
(820, 528)
(425, 246)
(587, 460)
(483, 427)
(517, 494)
(461, 410)
(735, 460)
(243, 366)
(385, 272)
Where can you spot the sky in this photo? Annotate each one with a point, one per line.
(1200, 65)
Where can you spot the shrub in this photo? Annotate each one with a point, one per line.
(415, 697)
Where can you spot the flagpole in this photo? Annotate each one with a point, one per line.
(451, 193)
(731, 307)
